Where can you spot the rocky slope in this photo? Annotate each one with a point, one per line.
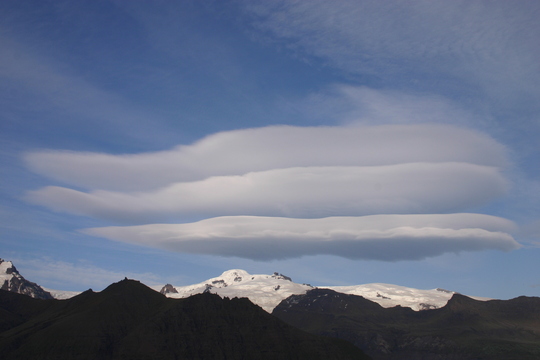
(11, 280)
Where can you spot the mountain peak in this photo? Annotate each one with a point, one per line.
(128, 320)
(264, 290)
(234, 275)
(168, 289)
(129, 287)
(268, 291)
(459, 301)
(7, 267)
(12, 280)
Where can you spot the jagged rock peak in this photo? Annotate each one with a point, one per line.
(12, 280)
(168, 289)
(235, 276)
(281, 276)
(445, 291)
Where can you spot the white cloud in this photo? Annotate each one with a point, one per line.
(380, 237)
(276, 147)
(297, 192)
(275, 192)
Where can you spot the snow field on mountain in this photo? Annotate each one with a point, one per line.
(62, 294)
(392, 295)
(388, 295)
(4, 267)
(268, 291)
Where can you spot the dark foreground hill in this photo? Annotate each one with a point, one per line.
(463, 329)
(131, 321)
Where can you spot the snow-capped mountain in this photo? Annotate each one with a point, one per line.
(268, 291)
(388, 295)
(12, 281)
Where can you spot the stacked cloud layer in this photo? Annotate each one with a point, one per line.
(283, 191)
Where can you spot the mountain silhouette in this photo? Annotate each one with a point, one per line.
(128, 320)
(463, 329)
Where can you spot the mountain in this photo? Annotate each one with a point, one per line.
(128, 320)
(388, 295)
(11, 280)
(462, 329)
(268, 291)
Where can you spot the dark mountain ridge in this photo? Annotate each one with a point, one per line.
(463, 329)
(128, 320)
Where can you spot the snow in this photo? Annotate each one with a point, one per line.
(388, 295)
(4, 267)
(268, 291)
(4, 276)
(62, 294)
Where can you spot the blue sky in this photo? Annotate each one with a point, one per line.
(335, 142)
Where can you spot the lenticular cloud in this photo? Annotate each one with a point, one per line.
(381, 237)
(240, 152)
(364, 192)
(307, 192)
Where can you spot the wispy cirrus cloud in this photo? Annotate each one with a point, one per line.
(486, 44)
(61, 92)
(361, 105)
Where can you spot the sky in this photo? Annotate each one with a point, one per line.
(339, 143)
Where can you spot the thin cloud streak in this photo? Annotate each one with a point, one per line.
(66, 94)
(361, 106)
(377, 237)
